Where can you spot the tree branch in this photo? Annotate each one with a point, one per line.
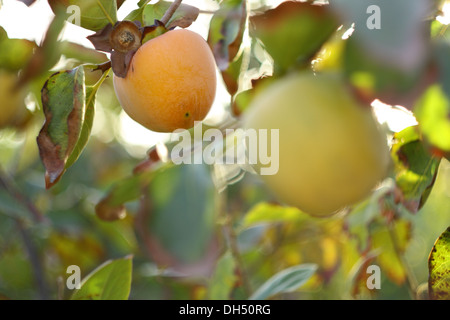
(14, 192)
(169, 13)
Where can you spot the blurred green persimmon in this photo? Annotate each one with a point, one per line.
(331, 151)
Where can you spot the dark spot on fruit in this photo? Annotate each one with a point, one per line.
(187, 114)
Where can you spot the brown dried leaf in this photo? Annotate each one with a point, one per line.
(189, 15)
(183, 16)
(101, 39)
(121, 62)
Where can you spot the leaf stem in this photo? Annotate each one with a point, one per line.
(105, 13)
(170, 11)
(100, 81)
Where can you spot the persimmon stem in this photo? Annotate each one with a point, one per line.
(170, 11)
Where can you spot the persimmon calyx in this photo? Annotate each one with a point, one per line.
(123, 40)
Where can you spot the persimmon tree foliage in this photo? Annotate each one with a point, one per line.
(355, 187)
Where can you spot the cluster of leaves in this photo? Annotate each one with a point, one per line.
(228, 240)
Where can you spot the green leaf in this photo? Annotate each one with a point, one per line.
(154, 12)
(388, 62)
(64, 104)
(226, 31)
(388, 41)
(439, 268)
(407, 135)
(182, 17)
(136, 14)
(88, 121)
(269, 213)
(243, 99)
(151, 32)
(365, 213)
(94, 14)
(223, 279)
(181, 220)
(15, 53)
(388, 258)
(293, 32)
(421, 168)
(232, 74)
(441, 51)
(86, 127)
(415, 168)
(288, 280)
(111, 207)
(225, 35)
(72, 50)
(433, 114)
(374, 77)
(16, 270)
(110, 281)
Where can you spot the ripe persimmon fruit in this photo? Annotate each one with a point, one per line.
(170, 83)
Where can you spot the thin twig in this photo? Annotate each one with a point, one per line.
(170, 11)
(8, 185)
(230, 234)
(232, 239)
(207, 12)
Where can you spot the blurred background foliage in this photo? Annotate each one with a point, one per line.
(216, 232)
